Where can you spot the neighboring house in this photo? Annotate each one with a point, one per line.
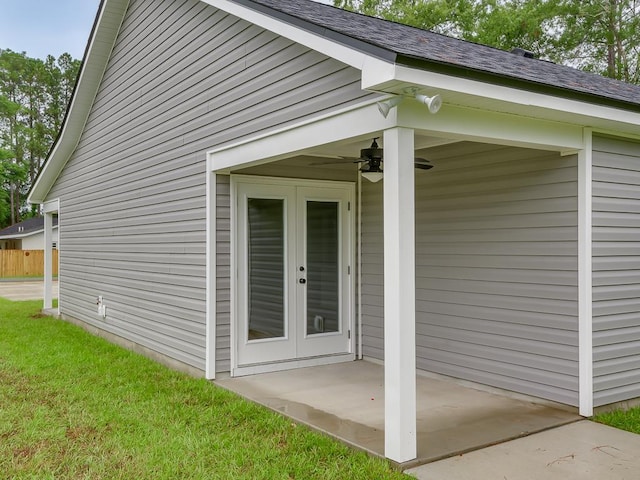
(204, 194)
(27, 235)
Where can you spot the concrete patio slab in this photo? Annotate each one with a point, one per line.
(26, 290)
(582, 450)
(347, 401)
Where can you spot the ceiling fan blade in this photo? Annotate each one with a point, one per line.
(344, 161)
(422, 163)
(423, 166)
(332, 162)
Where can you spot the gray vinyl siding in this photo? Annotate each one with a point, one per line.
(182, 79)
(496, 269)
(616, 270)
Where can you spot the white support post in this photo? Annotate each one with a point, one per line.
(211, 266)
(48, 261)
(585, 282)
(399, 296)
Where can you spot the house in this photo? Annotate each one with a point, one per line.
(27, 235)
(210, 196)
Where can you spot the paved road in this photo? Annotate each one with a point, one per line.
(27, 290)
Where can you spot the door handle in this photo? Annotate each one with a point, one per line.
(302, 280)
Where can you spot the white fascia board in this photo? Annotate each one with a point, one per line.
(94, 64)
(438, 82)
(52, 206)
(474, 124)
(451, 122)
(289, 141)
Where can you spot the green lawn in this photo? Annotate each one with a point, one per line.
(625, 420)
(73, 406)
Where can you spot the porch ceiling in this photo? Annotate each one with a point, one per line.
(346, 401)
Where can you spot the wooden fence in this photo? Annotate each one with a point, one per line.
(24, 263)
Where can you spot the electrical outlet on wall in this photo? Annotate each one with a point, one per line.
(102, 308)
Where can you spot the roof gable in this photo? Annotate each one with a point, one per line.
(412, 46)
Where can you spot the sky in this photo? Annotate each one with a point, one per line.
(49, 27)
(46, 27)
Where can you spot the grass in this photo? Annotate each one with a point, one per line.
(628, 420)
(73, 406)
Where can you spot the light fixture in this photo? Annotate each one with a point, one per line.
(433, 103)
(374, 172)
(387, 105)
(372, 158)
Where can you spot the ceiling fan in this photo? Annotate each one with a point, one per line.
(372, 158)
(374, 155)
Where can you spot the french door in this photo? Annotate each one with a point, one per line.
(293, 270)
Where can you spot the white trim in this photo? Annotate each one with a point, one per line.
(359, 266)
(353, 121)
(480, 92)
(349, 321)
(233, 278)
(400, 437)
(585, 281)
(291, 364)
(49, 209)
(211, 276)
(464, 123)
(48, 261)
(452, 122)
(52, 206)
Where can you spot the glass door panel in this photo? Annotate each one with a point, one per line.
(265, 268)
(323, 257)
(266, 264)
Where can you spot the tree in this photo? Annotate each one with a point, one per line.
(34, 95)
(601, 36)
(595, 35)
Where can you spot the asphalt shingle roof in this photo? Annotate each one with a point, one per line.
(25, 227)
(410, 45)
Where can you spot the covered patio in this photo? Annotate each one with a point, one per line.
(467, 270)
(346, 401)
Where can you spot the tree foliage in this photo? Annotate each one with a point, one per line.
(34, 94)
(595, 35)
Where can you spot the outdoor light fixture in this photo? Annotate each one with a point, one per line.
(372, 158)
(374, 172)
(387, 105)
(433, 103)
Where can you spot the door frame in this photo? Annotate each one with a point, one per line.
(349, 322)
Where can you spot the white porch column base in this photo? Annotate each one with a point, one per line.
(400, 440)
